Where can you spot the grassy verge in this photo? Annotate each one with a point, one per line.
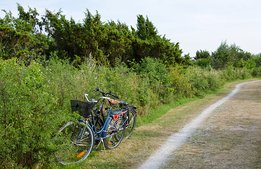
(161, 110)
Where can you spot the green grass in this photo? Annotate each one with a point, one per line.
(161, 110)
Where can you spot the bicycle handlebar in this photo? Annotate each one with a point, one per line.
(107, 93)
(86, 97)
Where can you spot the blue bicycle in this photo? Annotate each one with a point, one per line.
(103, 122)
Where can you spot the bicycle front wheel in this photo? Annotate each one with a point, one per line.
(74, 142)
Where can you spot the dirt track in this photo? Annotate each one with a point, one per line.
(230, 138)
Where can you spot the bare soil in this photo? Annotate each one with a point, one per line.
(230, 138)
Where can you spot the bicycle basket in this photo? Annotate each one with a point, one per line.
(83, 108)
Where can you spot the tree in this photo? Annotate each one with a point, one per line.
(22, 37)
(230, 55)
(148, 43)
(202, 58)
(202, 54)
(145, 28)
(29, 37)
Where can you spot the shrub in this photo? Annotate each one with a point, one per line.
(180, 84)
(29, 114)
(204, 80)
(198, 81)
(256, 72)
(231, 73)
(158, 76)
(214, 78)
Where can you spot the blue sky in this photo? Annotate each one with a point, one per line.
(195, 24)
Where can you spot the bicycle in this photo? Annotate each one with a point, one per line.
(76, 139)
(123, 106)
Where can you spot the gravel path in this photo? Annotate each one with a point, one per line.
(229, 138)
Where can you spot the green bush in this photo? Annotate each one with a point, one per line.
(203, 80)
(231, 73)
(180, 85)
(158, 76)
(197, 80)
(29, 115)
(214, 78)
(256, 72)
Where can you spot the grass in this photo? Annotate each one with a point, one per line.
(161, 110)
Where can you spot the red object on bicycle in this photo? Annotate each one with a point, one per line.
(115, 117)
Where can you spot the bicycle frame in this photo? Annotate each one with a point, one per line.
(99, 119)
(101, 133)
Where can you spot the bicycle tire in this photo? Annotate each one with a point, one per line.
(114, 138)
(130, 123)
(74, 142)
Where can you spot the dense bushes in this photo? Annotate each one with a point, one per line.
(29, 114)
(35, 99)
(256, 72)
(203, 81)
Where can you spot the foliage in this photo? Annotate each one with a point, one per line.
(158, 77)
(202, 54)
(180, 85)
(203, 81)
(29, 113)
(145, 28)
(232, 73)
(21, 37)
(35, 99)
(202, 58)
(231, 55)
(29, 37)
(256, 72)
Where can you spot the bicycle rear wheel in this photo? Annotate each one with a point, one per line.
(74, 142)
(115, 134)
(130, 123)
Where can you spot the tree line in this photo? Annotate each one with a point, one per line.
(227, 55)
(29, 36)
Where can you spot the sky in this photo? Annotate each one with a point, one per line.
(195, 24)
